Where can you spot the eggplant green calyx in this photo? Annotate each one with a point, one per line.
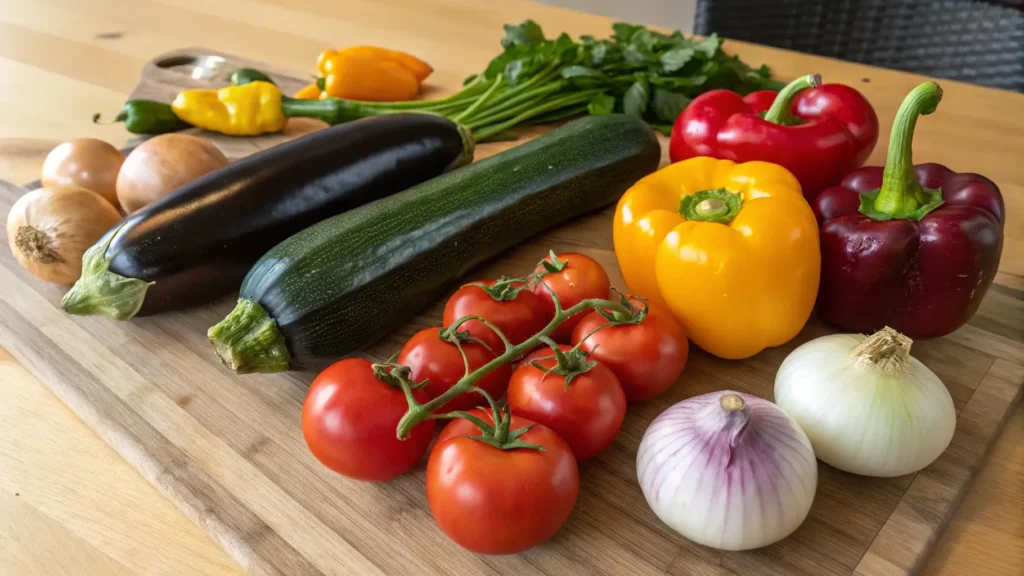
(718, 206)
(468, 148)
(248, 340)
(901, 196)
(781, 111)
(100, 291)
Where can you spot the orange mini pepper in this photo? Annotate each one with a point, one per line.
(358, 79)
(309, 92)
(419, 68)
(731, 249)
(371, 73)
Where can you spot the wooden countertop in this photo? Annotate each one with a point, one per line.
(70, 505)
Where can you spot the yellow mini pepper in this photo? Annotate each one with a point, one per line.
(731, 249)
(246, 110)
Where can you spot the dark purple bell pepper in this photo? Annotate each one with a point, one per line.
(911, 247)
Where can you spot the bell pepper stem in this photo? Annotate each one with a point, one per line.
(712, 208)
(781, 111)
(901, 193)
(121, 117)
(717, 206)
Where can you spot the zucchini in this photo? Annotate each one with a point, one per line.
(197, 243)
(350, 280)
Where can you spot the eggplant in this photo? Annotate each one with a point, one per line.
(197, 243)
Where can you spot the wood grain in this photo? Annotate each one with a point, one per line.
(70, 505)
(50, 49)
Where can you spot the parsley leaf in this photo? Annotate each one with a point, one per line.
(668, 105)
(636, 99)
(528, 32)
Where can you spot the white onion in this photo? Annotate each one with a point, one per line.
(727, 470)
(868, 407)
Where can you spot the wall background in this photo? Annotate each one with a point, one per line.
(673, 14)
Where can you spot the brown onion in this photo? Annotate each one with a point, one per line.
(49, 230)
(87, 163)
(162, 164)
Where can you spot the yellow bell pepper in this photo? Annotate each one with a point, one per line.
(246, 110)
(731, 249)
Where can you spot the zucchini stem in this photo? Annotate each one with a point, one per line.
(248, 341)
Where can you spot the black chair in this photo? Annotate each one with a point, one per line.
(969, 40)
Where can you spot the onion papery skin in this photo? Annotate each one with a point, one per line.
(862, 420)
(729, 480)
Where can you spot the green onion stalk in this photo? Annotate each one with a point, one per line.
(489, 107)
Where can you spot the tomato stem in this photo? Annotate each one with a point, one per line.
(485, 322)
(484, 427)
(419, 412)
(569, 364)
(457, 338)
(504, 289)
(552, 264)
(398, 376)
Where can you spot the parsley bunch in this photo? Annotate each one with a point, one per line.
(636, 71)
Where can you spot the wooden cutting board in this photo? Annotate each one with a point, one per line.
(228, 450)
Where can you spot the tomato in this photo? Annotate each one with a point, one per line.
(435, 359)
(349, 421)
(648, 358)
(493, 501)
(518, 318)
(581, 278)
(587, 414)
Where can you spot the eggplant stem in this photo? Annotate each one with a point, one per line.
(100, 291)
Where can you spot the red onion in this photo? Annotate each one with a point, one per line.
(727, 470)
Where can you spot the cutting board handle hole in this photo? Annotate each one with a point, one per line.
(198, 67)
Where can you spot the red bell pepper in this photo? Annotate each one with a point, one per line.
(817, 132)
(911, 247)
